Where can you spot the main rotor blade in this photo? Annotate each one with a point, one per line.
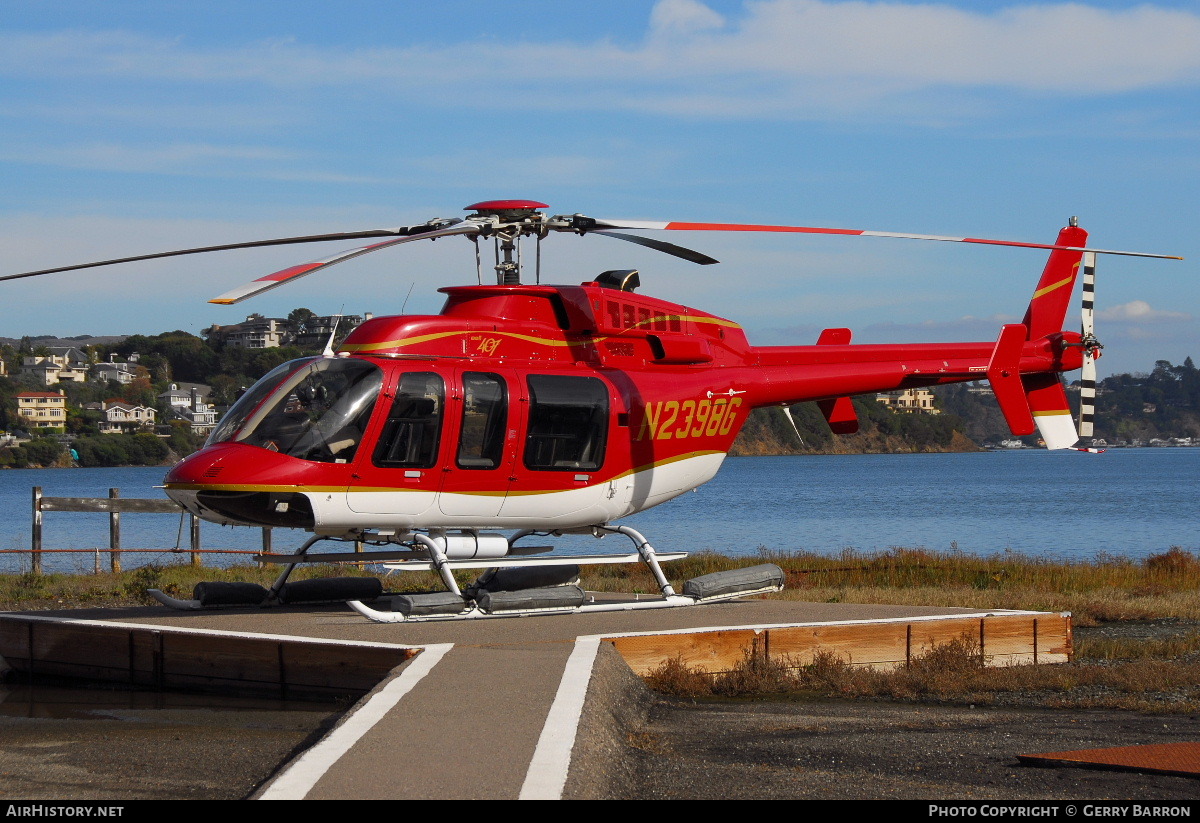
(679, 226)
(283, 241)
(291, 273)
(658, 245)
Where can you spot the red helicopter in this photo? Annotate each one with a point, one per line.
(553, 409)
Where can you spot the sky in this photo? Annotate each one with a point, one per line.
(131, 127)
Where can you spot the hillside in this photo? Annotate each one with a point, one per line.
(767, 431)
(1131, 408)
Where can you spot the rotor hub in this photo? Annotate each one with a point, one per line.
(507, 210)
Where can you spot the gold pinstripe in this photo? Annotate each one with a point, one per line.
(249, 487)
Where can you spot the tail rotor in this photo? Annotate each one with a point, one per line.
(1091, 349)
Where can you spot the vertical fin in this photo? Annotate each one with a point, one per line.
(1052, 297)
(1048, 402)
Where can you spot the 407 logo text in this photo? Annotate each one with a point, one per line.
(679, 419)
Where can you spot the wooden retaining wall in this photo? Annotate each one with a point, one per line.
(165, 658)
(1005, 640)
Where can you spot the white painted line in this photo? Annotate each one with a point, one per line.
(547, 774)
(299, 778)
(210, 632)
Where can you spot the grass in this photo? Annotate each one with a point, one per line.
(34, 592)
(1159, 676)
(1101, 590)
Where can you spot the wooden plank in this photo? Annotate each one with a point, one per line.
(1007, 640)
(104, 505)
(869, 644)
(36, 537)
(156, 657)
(114, 533)
(705, 651)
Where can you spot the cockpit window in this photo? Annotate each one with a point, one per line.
(249, 402)
(319, 412)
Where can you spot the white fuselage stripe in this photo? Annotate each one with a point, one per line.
(299, 778)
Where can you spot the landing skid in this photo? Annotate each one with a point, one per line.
(517, 583)
(472, 611)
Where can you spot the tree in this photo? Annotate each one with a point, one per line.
(299, 317)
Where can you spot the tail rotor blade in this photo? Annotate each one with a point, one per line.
(1091, 349)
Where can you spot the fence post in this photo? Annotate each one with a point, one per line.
(114, 533)
(266, 543)
(36, 553)
(195, 539)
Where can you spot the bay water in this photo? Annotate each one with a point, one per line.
(1062, 505)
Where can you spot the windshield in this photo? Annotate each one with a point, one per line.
(319, 412)
(232, 422)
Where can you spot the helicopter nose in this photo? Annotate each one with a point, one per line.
(205, 466)
(236, 484)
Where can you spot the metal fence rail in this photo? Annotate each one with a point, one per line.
(115, 505)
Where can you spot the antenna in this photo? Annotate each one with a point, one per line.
(328, 351)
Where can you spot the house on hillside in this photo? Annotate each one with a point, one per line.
(912, 401)
(43, 409)
(188, 405)
(123, 373)
(257, 332)
(61, 364)
(120, 417)
(315, 332)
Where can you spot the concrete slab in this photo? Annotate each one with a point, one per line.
(491, 707)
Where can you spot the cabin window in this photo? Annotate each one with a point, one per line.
(568, 421)
(485, 415)
(413, 428)
(319, 412)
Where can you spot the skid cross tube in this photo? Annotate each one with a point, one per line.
(647, 552)
(438, 558)
(277, 586)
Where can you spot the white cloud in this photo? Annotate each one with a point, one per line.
(1138, 311)
(683, 17)
(777, 58)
